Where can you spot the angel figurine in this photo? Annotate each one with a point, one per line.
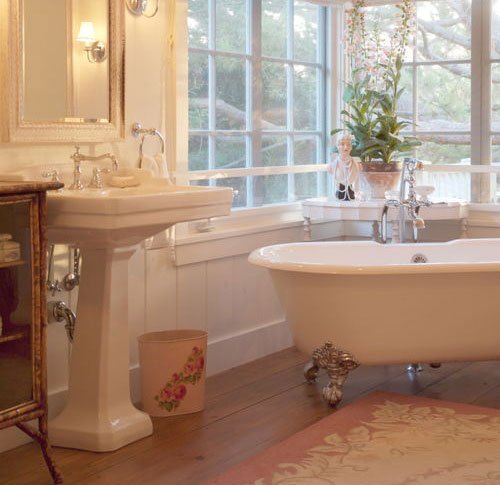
(345, 169)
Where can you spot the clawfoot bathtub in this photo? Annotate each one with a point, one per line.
(352, 303)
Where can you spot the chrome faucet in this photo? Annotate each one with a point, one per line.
(408, 202)
(78, 158)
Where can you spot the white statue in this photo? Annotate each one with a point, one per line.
(345, 169)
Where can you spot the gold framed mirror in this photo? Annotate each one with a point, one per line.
(62, 70)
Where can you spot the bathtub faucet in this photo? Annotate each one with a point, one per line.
(408, 203)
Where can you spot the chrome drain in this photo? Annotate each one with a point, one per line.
(419, 259)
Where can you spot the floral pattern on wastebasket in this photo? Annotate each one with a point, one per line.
(175, 390)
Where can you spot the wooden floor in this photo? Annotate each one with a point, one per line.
(248, 409)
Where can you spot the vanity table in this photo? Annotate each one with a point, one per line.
(330, 209)
(23, 366)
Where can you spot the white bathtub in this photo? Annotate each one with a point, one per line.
(371, 301)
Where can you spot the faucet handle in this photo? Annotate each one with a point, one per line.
(414, 164)
(53, 174)
(96, 182)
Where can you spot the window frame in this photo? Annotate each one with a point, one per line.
(253, 131)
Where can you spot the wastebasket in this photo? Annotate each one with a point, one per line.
(173, 371)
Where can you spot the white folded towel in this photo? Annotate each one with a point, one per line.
(161, 163)
(150, 163)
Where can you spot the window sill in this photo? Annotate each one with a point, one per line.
(242, 222)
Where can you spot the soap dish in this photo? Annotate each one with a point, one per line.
(124, 181)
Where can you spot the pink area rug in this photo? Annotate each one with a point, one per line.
(384, 439)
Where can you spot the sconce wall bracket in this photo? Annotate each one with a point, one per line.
(138, 7)
(96, 52)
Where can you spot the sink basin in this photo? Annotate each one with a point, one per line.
(108, 224)
(117, 217)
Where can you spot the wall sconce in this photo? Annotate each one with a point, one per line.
(138, 7)
(95, 49)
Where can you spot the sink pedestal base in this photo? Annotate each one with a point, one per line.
(99, 415)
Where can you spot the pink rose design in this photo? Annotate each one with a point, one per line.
(176, 377)
(166, 394)
(200, 363)
(180, 392)
(189, 368)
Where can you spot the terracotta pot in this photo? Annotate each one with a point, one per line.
(377, 177)
(173, 372)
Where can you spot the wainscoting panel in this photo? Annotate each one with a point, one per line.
(192, 290)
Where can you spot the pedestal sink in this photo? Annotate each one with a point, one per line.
(108, 225)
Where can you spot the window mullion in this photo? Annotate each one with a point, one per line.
(290, 97)
(249, 100)
(212, 87)
(415, 81)
(321, 95)
(486, 102)
(256, 46)
(479, 49)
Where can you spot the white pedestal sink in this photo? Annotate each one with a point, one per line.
(108, 225)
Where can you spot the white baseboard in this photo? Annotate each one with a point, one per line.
(224, 353)
(239, 348)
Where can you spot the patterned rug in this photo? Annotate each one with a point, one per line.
(384, 439)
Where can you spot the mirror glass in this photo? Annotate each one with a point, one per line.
(65, 61)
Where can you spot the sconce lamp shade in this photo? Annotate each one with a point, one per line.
(87, 33)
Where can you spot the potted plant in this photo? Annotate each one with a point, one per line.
(372, 98)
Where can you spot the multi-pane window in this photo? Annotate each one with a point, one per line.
(257, 98)
(449, 71)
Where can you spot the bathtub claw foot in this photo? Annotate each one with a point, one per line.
(311, 371)
(333, 393)
(338, 364)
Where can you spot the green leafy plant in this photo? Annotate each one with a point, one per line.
(360, 116)
(388, 141)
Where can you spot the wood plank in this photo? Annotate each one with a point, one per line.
(468, 384)
(248, 409)
(12, 264)
(416, 383)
